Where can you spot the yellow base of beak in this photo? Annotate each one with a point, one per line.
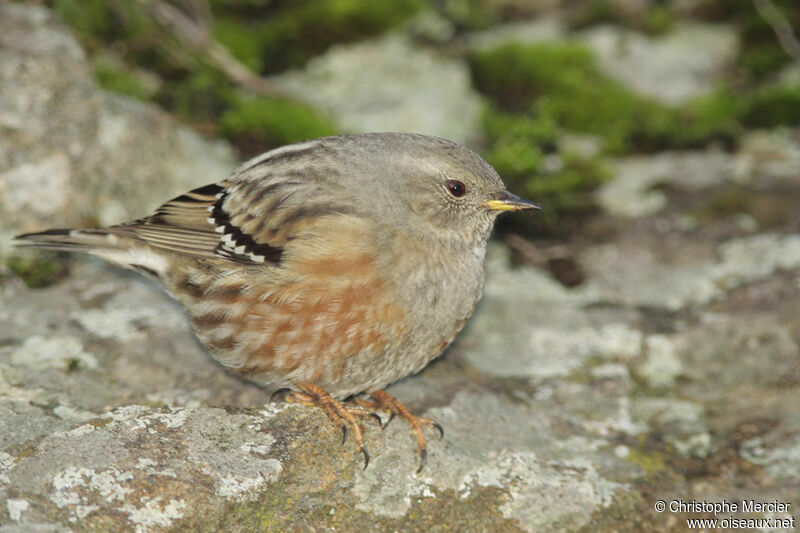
(510, 202)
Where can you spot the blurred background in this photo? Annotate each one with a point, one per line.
(638, 339)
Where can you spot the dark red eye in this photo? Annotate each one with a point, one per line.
(456, 188)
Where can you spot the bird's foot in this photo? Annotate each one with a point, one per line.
(383, 401)
(310, 394)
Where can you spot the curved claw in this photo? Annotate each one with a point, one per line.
(275, 394)
(344, 433)
(377, 418)
(391, 417)
(366, 456)
(423, 458)
(438, 428)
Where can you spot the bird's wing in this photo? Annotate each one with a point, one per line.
(247, 221)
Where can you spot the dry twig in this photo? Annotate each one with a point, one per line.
(783, 30)
(195, 34)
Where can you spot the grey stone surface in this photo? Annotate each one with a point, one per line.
(107, 407)
(684, 63)
(672, 372)
(673, 277)
(634, 193)
(429, 93)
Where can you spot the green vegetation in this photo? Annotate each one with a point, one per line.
(39, 269)
(539, 93)
(773, 105)
(273, 121)
(525, 151)
(200, 95)
(761, 55)
(267, 37)
(273, 39)
(539, 96)
(467, 15)
(655, 18)
(121, 80)
(563, 81)
(651, 461)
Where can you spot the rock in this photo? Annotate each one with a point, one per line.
(685, 63)
(633, 190)
(626, 273)
(773, 154)
(112, 401)
(429, 93)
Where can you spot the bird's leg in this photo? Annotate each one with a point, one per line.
(386, 402)
(310, 394)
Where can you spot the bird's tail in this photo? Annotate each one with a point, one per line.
(116, 244)
(69, 240)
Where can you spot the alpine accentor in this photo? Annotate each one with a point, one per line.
(330, 267)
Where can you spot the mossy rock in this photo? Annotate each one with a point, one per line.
(564, 82)
(525, 151)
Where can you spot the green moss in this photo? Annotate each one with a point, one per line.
(241, 40)
(273, 121)
(563, 81)
(202, 94)
(99, 23)
(273, 40)
(593, 12)
(528, 118)
(121, 81)
(513, 157)
(92, 20)
(515, 74)
(773, 106)
(761, 59)
(39, 269)
(524, 151)
(652, 462)
(714, 117)
(468, 14)
(656, 19)
(760, 54)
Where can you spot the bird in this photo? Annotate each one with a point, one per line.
(327, 269)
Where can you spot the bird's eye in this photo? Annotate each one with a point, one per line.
(456, 188)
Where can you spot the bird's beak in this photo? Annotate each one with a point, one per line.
(505, 201)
